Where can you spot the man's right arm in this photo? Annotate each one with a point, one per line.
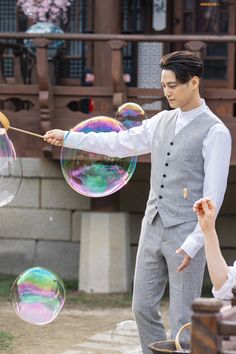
(132, 142)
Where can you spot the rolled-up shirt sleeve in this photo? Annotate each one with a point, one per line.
(225, 292)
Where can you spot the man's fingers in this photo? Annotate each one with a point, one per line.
(54, 142)
(184, 264)
(186, 259)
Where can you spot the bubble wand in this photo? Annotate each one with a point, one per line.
(6, 124)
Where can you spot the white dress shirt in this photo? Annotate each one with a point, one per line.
(216, 151)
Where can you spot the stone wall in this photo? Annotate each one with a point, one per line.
(42, 225)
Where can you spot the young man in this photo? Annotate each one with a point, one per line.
(190, 153)
(222, 276)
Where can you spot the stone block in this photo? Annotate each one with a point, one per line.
(35, 224)
(58, 194)
(104, 253)
(135, 227)
(76, 226)
(41, 167)
(16, 255)
(133, 260)
(61, 257)
(27, 195)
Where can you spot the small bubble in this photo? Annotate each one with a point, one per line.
(38, 295)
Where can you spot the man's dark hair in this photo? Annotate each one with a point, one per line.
(184, 64)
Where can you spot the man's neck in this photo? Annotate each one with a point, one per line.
(196, 103)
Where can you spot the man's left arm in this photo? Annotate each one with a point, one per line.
(216, 152)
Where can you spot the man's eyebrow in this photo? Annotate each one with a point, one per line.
(168, 83)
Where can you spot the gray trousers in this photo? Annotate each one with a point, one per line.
(156, 263)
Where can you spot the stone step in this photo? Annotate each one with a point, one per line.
(123, 339)
(114, 338)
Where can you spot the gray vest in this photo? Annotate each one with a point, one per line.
(177, 172)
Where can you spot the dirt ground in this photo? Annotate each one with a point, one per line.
(71, 327)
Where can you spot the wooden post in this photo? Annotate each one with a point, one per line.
(45, 89)
(2, 78)
(119, 87)
(233, 301)
(206, 314)
(104, 22)
(17, 66)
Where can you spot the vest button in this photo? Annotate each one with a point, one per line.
(160, 196)
(168, 153)
(172, 143)
(162, 186)
(166, 164)
(164, 176)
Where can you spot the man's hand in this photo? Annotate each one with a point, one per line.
(54, 137)
(186, 259)
(206, 213)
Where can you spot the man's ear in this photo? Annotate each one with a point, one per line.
(195, 82)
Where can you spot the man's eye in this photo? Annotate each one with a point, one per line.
(172, 86)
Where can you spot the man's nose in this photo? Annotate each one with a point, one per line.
(168, 92)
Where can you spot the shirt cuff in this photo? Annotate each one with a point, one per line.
(191, 246)
(225, 292)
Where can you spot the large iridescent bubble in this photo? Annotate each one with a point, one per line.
(96, 175)
(131, 115)
(10, 169)
(38, 295)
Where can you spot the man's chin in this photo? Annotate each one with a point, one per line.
(173, 104)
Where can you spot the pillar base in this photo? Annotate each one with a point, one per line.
(104, 252)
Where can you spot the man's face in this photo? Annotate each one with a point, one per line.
(177, 94)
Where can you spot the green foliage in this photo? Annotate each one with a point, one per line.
(74, 297)
(84, 300)
(6, 282)
(6, 341)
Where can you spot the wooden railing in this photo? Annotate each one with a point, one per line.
(213, 327)
(48, 104)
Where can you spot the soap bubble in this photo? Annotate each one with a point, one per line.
(38, 295)
(131, 115)
(10, 169)
(96, 175)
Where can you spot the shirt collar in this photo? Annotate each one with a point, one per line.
(194, 112)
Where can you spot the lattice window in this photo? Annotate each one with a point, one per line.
(132, 22)
(76, 51)
(211, 19)
(8, 24)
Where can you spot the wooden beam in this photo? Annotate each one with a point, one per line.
(123, 37)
